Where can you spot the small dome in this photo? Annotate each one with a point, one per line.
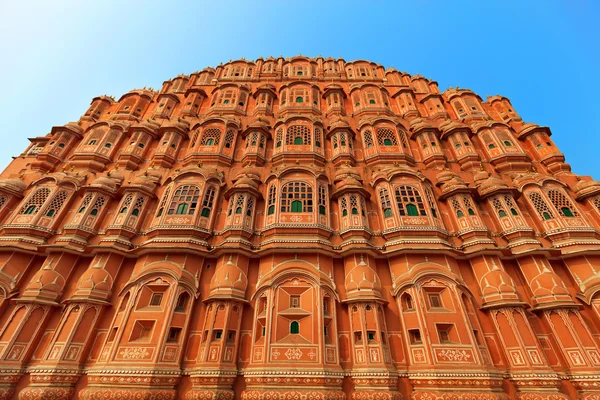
(246, 181)
(229, 281)
(362, 282)
(586, 188)
(13, 185)
(491, 184)
(445, 176)
(111, 181)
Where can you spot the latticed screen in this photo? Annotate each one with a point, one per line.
(344, 206)
(596, 202)
(185, 200)
(85, 202)
(504, 137)
(296, 197)
(250, 207)
(457, 207)
(409, 201)
(279, 137)
(353, 205)
(3, 200)
(239, 204)
(368, 138)
(318, 137)
(322, 200)
(540, 205)
(499, 207)
(137, 208)
(298, 134)
(36, 201)
(163, 202)
(195, 136)
(207, 202)
(468, 205)
(386, 203)
(211, 137)
(562, 203)
(271, 200)
(386, 137)
(229, 138)
(97, 207)
(129, 198)
(431, 202)
(56, 203)
(488, 141)
(403, 139)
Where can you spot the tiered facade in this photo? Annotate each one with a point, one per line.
(301, 228)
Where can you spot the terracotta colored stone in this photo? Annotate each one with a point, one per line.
(298, 229)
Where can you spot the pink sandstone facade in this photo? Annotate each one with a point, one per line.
(301, 228)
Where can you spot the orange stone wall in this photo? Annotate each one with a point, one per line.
(300, 228)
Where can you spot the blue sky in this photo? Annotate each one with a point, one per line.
(544, 55)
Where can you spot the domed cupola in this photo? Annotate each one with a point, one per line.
(229, 282)
(587, 188)
(109, 183)
(13, 186)
(451, 183)
(362, 282)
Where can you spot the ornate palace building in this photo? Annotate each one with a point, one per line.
(299, 228)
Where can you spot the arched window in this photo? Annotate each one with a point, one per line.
(322, 200)
(182, 301)
(294, 328)
(85, 203)
(409, 196)
(139, 203)
(184, 200)
(368, 137)
(386, 137)
(125, 204)
(36, 201)
(298, 134)
(386, 204)
(562, 204)
(540, 206)
(211, 137)
(407, 302)
(229, 136)
(249, 207)
(299, 99)
(57, 202)
(279, 137)
(296, 197)
(344, 206)
(207, 202)
(271, 200)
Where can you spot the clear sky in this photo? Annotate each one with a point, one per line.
(543, 55)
